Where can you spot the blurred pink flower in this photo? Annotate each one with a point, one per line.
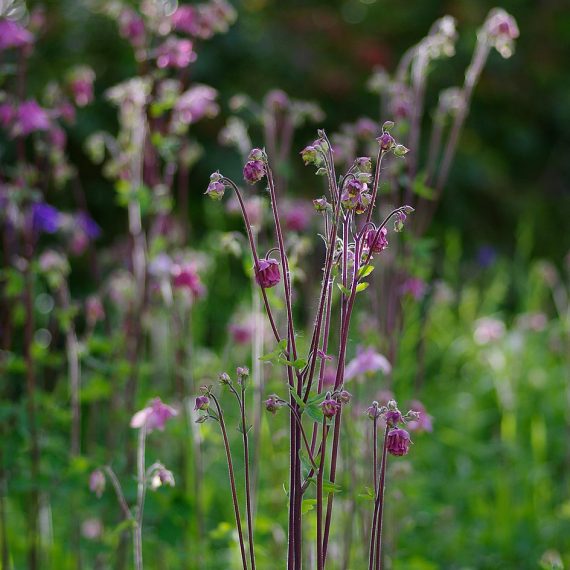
(185, 19)
(154, 416)
(97, 482)
(13, 35)
(196, 103)
(242, 331)
(131, 27)
(30, 117)
(488, 330)
(415, 287)
(297, 215)
(424, 422)
(175, 53)
(367, 361)
(186, 277)
(92, 529)
(81, 85)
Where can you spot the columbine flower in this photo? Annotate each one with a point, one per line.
(355, 196)
(310, 155)
(13, 35)
(202, 403)
(241, 332)
(185, 19)
(330, 407)
(267, 273)
(386, 141)
(501, 30)
(423, 422)
(175, 53)
(216, 188)
(344, 397)
(394, 417)
(398, 441)
(273, 403)
(367, 361)
(321, 205)
(297, 216)
(81, 85)
(45, 218)
(154, 416)
(30, 117)
(242, 374)
(97, 482)
(162, 476)
(377, 241)
(254, 169)
(374, 412)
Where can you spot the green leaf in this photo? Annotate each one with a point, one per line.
(317, 399)
(344, 290)
(362, 286)
(297, 398)
(315, 412)
(308, 505)
(300, 363)
(419, 187)
(365, 271)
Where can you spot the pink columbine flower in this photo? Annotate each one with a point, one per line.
(424, 422)
(253, 171)
(30, 117)
(377, 241)
(175, 53)
(241, 332)
(394, 417)
(13, 35)
(367, 361)
(185, 19)
(273, 403)
(267, 273)
(186, 277)
(330, 407)
(154, 416)
(398, 442)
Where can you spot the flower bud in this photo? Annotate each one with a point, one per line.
(242, 374)
(364, 163)
(216, 188)
(373, 411)
(344, 397)
(273, 403)
(321, 204)
(398, 442)
(202, 403)
(224, 378)
(162, 477)
(394, 417)
(330, 407)
(387, 126)
(400, 150)
(310, 155)
(253, 171)
(267, 273)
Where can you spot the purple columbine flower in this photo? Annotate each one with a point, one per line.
(154, 416)
(13, 35)
(344, 397)
(254, 169)
(377, 241)
(310, 155)
(373, 411)
(330, 407)
(216, 188)
(398, 442)
(394, 417)
(355, 196)
(367, 361)
(97, 482)
(45, 218)
(267, 273)
(162, 477)
(202, 403)
(273, 403)
(175, 53)
(30, 117)
(386, 141)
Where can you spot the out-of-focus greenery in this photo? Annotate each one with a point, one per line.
(489, 488)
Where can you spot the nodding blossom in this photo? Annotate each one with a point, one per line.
(202, 403)
(254, 169)
(273, 403)
(330, 407)
(386, 141)
(377, 241)
(398, 441)
(161, 477)
(367, 361)
(154, 416)
(216, 188)
(355, 196)
(501, 31)
(267, 273)
(13, 35)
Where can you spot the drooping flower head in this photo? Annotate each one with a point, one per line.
(216, 188)
(254, 169)
(330, 407)
(377, 241)
(196, 103)
(154, 416)
(398, 442)
(267, 273)
(273, 403)
(501, 30)
(202, 403)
